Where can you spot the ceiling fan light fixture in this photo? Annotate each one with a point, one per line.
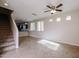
(53, 11)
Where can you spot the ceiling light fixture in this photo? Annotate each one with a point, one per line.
(53, 11)
(6, 4)
(58, 19)
(50, 20)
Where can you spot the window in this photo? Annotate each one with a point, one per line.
(32, 26)
(58, 19)
(40, 26)
(68, 18)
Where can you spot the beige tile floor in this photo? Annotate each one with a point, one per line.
(31, 48)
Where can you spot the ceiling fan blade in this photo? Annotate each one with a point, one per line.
(48, 6)
(58, 10)
(59, 5)
(47, 11)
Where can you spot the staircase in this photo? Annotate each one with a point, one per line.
(7, 42)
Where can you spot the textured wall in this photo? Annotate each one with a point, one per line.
(63, 31)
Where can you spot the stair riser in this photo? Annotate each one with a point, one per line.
(7, 44)
(9, 48)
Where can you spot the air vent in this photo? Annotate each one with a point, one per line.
(34, 14)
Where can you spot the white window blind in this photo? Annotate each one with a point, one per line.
(40, 26)
(32, 26)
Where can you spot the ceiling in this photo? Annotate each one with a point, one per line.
(23, 9)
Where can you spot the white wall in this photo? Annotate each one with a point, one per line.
(15, 32)
(64, 31)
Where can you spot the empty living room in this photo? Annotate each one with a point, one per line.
(39, 28)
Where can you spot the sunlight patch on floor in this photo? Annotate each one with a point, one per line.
(49, 44)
